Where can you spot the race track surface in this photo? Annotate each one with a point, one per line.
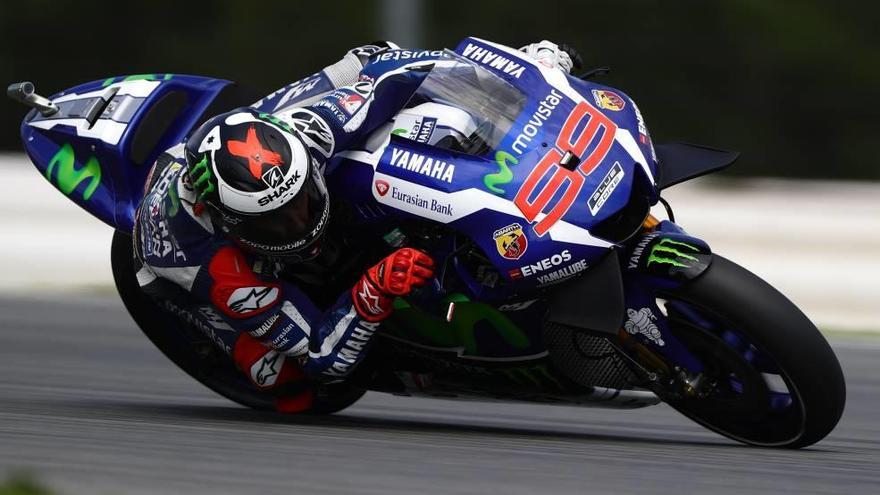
(89, 406)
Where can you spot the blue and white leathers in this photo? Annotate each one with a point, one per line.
(200, 274)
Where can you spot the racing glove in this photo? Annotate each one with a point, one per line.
(395, 275)
(346, 71)
(554, 56)
(363, 53)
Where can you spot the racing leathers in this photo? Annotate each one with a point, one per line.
(272, 329)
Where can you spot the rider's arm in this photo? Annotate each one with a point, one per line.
(329, 345)
(308, 89)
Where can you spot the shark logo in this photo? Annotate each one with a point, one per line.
(248, 299)
(674, 253)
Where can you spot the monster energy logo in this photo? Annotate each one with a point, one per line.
(68, 176)
(669, 252)
(504, 175)
(275, 120)
(201, 177)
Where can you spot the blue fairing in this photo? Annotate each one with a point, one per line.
(550, 162)
(99, 148)
(479, 199)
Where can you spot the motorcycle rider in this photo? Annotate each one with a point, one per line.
(244, 198)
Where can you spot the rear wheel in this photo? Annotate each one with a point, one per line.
(195, 354)
(770, 377)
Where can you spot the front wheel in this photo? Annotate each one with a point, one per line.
(770, 377)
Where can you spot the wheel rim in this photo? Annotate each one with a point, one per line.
(754, 401)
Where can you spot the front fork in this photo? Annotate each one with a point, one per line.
(662, 258)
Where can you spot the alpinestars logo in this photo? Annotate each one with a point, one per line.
(314, 131)
(675, 253)
(248, 299)
(265, 371)
(370, 300)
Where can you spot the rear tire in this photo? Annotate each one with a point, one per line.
(211, 367)
(774, 326)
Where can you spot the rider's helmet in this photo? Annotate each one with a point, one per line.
(259, 183)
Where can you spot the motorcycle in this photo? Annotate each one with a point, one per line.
(534, 191)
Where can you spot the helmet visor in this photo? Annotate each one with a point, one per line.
(291, 230)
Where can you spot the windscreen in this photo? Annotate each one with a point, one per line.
(492, 102)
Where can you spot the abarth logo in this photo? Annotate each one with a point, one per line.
(511, 241)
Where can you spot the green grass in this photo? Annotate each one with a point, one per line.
(22, 484)
(835, 332)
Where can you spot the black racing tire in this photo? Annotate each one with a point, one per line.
(212, 369)
(779, 330)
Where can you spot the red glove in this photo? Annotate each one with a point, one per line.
(393, 276)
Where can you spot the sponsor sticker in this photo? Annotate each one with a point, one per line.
(382, 187)
(247, 299)
(521, 143)
(545, 264)
(609, 100)
(351, 102)
(421, 164)
(511, 241)
(417, 128)
(605, 188)
(415, 199)
(641, 322)
(495, 61)
(407, 54)
(585, 127)
(562, 274)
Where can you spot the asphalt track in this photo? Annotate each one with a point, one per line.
(89, 406)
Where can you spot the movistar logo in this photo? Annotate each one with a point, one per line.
(675, 253)
(68, 176)
(504, 175)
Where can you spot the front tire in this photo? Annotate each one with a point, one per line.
(745, 331)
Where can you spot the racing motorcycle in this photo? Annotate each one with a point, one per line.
(533, 190)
